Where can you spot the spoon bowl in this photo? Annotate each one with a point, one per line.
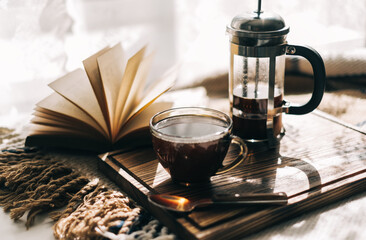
(182, 204)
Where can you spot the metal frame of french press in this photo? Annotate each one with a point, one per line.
(270, 52)
(262, 45)
(271, 44)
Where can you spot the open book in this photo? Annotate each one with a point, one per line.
(102, 108)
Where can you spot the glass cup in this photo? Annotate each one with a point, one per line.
(192, 142)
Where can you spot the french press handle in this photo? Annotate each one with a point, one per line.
(319, 78)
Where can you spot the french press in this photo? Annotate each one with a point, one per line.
(258, 48)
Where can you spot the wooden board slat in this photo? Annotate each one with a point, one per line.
(318, 161)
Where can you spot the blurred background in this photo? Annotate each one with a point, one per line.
(40, 40)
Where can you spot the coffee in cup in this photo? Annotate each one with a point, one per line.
(191, 143)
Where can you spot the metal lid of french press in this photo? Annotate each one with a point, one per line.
(258, 24)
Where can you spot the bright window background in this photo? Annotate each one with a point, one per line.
(40, 40)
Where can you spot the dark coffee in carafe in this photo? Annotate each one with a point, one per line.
(250, 113)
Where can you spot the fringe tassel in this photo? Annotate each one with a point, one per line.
(100, 209)
(32, 183)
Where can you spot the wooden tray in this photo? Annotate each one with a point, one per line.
(318, 161)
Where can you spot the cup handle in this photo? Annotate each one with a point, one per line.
(241, 156)
(319, 77)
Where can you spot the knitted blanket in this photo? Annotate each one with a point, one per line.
(82, 203)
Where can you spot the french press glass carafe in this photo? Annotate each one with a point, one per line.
(256, 77)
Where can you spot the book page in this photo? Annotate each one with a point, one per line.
(65, 120)
(155, 91)
(92, 70)
(75, 86)
(53, 116)
(135, 95)
(68, 126)
(141, 77)
(38, 111)
(142, 120)
(126, 90)
(111, 67)
(45, 113)
(37, 129)
(57, 103)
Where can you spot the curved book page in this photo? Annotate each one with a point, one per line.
(58, 104)
(75, 87)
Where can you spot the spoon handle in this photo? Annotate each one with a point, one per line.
(252, 198)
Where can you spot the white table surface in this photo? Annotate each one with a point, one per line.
(11, 230)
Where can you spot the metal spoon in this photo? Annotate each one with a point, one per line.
(181, 204)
